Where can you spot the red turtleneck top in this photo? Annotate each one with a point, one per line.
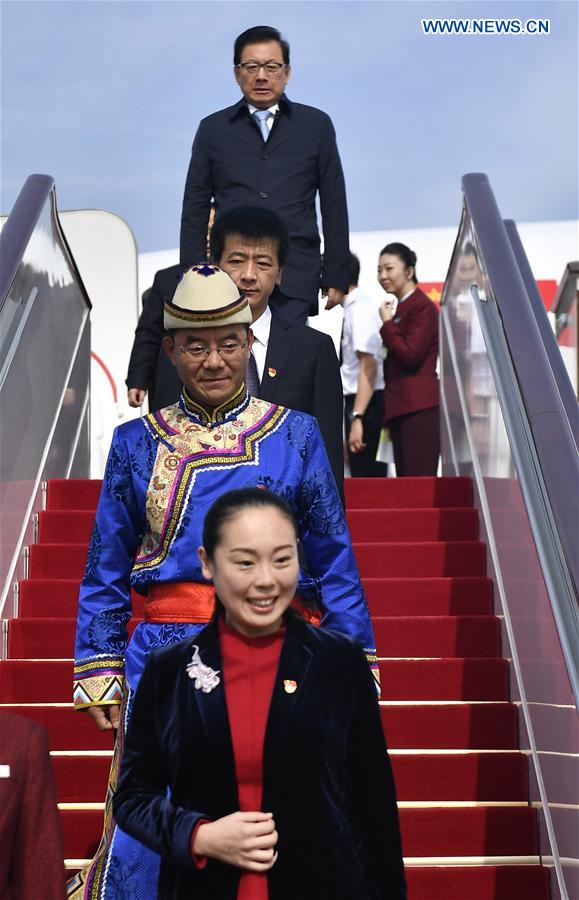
(249, 670)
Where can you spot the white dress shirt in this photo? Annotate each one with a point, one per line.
(261, 328)
(360, 334)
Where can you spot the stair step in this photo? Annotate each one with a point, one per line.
(81, 494)
(444, 679)
(482, 777)
(374, 560)
(32, 681)
(454, 726)
(78, 493)
(479, 831)
(461, 776)
(68, 729)
(456, 595)
(360, 492)
(38, 638)
(57, 526)
(413, 524)
(486, 831)
(426, 559)
(50, 681)
(81, 832)
(421, 524)
(402, 493)
(57, 597)
(442, 882)
(412, 726)
(57, 560)
(440, 636)
(81, 779)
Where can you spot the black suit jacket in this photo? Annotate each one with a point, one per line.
(302, 372)
(326, 773)
(149, 367)
(231, 163)
(307, 372)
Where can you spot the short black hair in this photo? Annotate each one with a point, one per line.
(404, 253)
(231, 503)
(253, 222)
(259, 34)
(354, 264)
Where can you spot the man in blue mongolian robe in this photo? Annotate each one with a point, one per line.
(163, 473)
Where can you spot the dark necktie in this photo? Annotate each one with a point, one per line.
(252, 378)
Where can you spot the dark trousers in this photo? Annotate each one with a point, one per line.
(416, 441)
(292, 310)
(363, 464)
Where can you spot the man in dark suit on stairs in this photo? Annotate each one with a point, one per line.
(271, 152)
(296, 366)
(150, 371)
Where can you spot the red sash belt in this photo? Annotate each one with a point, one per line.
(179, 601)
(189, 601)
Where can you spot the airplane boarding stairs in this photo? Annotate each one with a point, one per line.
(469, 831)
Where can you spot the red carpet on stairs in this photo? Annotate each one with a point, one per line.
(453, 776)
(468, 831)
(441, 636)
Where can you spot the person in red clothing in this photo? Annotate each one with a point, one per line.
(254, 761)
(31, 854)
(410, 335)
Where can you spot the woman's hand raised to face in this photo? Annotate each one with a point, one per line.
(243, 839)
(385, 310)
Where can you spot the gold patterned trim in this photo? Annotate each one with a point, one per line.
(269, 423)
(98, 690)
(99, 662)
(219, 414)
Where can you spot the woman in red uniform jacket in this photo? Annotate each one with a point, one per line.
(410, 335)
(254, 762)
(31, 854)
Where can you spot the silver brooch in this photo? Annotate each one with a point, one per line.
(205, 677)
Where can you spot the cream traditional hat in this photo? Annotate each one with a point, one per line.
(206, 297)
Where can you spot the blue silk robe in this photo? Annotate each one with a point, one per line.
(162, 474)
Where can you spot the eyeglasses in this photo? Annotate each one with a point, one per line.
(252, 68)
(202, 351)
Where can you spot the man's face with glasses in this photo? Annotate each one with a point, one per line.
(262, 74)
(211, 362)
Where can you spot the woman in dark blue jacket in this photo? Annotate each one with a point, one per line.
(318, 817)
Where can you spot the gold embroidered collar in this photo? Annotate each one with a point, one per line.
(224, 413)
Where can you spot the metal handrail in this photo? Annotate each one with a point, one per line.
(19, 226)
(567, 290)
(548, 421)
(524, 462)
(56, 426)
(556, 361)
